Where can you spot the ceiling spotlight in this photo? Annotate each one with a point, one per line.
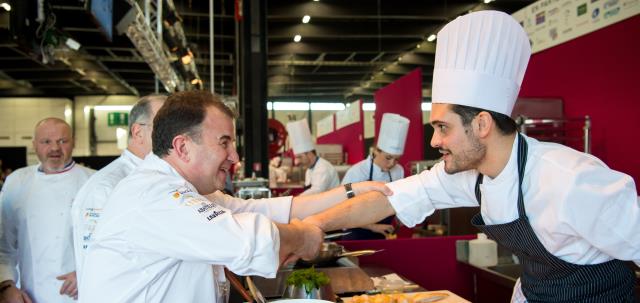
(431, 38)
(488, 1)
(297, 38)
(418, 46)
(316, 0)
(400, 58)
(6, 6)
(306, 19)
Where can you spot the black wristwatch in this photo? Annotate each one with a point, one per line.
(350, 193)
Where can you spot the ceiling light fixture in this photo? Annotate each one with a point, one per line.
(6, 6)
(418, 46)
(431, 38)
(488, 1)
(306, 19)
(297, 38)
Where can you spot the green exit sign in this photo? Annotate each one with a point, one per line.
(118, 119)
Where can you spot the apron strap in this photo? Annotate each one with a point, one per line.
(522, 162)
(371, 171)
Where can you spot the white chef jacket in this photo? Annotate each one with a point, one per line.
(580, 210)
(322, 177)
(360, 172)
(92, 197)
(158, 237)
(36, 229)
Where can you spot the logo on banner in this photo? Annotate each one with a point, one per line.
(612, 12)
(582, 9)
(553, 33)
(609, 4)
(539, 18)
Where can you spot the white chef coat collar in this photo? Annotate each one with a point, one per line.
(154, 162)
(509, 172)
(66, 168)
(129, 155)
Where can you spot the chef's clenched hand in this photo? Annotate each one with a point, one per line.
(12, 294)
(70, 285)
(299, 240)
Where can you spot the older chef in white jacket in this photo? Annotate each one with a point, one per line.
(567, 216)
(159, 235)
(36, 244)
(92, 197)
(382, 165)
(320, 175)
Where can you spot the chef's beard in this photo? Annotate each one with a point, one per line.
(468, 158)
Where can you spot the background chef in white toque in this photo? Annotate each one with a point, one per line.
(568, 217)
(382, 165)
(320, 175)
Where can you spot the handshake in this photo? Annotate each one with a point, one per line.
(306, 242)
(323, 213)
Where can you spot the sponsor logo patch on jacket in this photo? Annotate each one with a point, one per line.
(176, 194)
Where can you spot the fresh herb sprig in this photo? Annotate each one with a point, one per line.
(309, 278)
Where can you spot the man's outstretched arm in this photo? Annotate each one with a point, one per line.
(304, 206)
(359, 211)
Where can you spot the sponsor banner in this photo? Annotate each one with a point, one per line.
(552, 22)
(324, 126)
(349, 115)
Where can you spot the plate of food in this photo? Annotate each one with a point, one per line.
(440, 296)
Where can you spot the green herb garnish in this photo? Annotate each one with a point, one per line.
(309, 278)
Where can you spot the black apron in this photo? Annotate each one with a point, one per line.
(311, 167)
(363, 233)
(547, 278)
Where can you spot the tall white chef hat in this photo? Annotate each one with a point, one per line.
(480, 61)
(300, 135)
(393, 133)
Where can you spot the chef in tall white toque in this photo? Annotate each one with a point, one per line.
(569, 218)
(320, 175)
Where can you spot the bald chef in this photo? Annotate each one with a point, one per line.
(382, 165)
(320, 175)
(567, 216)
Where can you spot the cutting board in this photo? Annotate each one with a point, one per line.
(449, 297)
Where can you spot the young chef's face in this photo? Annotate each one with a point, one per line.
(460, 148)
(53, 143)
(215, 152)
(385, 160)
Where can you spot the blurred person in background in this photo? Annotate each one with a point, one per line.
(320, 175)
(92, 197)
(382, 165)
(36, 243)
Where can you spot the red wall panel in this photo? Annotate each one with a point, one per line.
(597, 75)
(404, 97)
(351, 137)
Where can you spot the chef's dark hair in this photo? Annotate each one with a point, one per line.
(141, 111)
(505, 124)
(183, 113)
